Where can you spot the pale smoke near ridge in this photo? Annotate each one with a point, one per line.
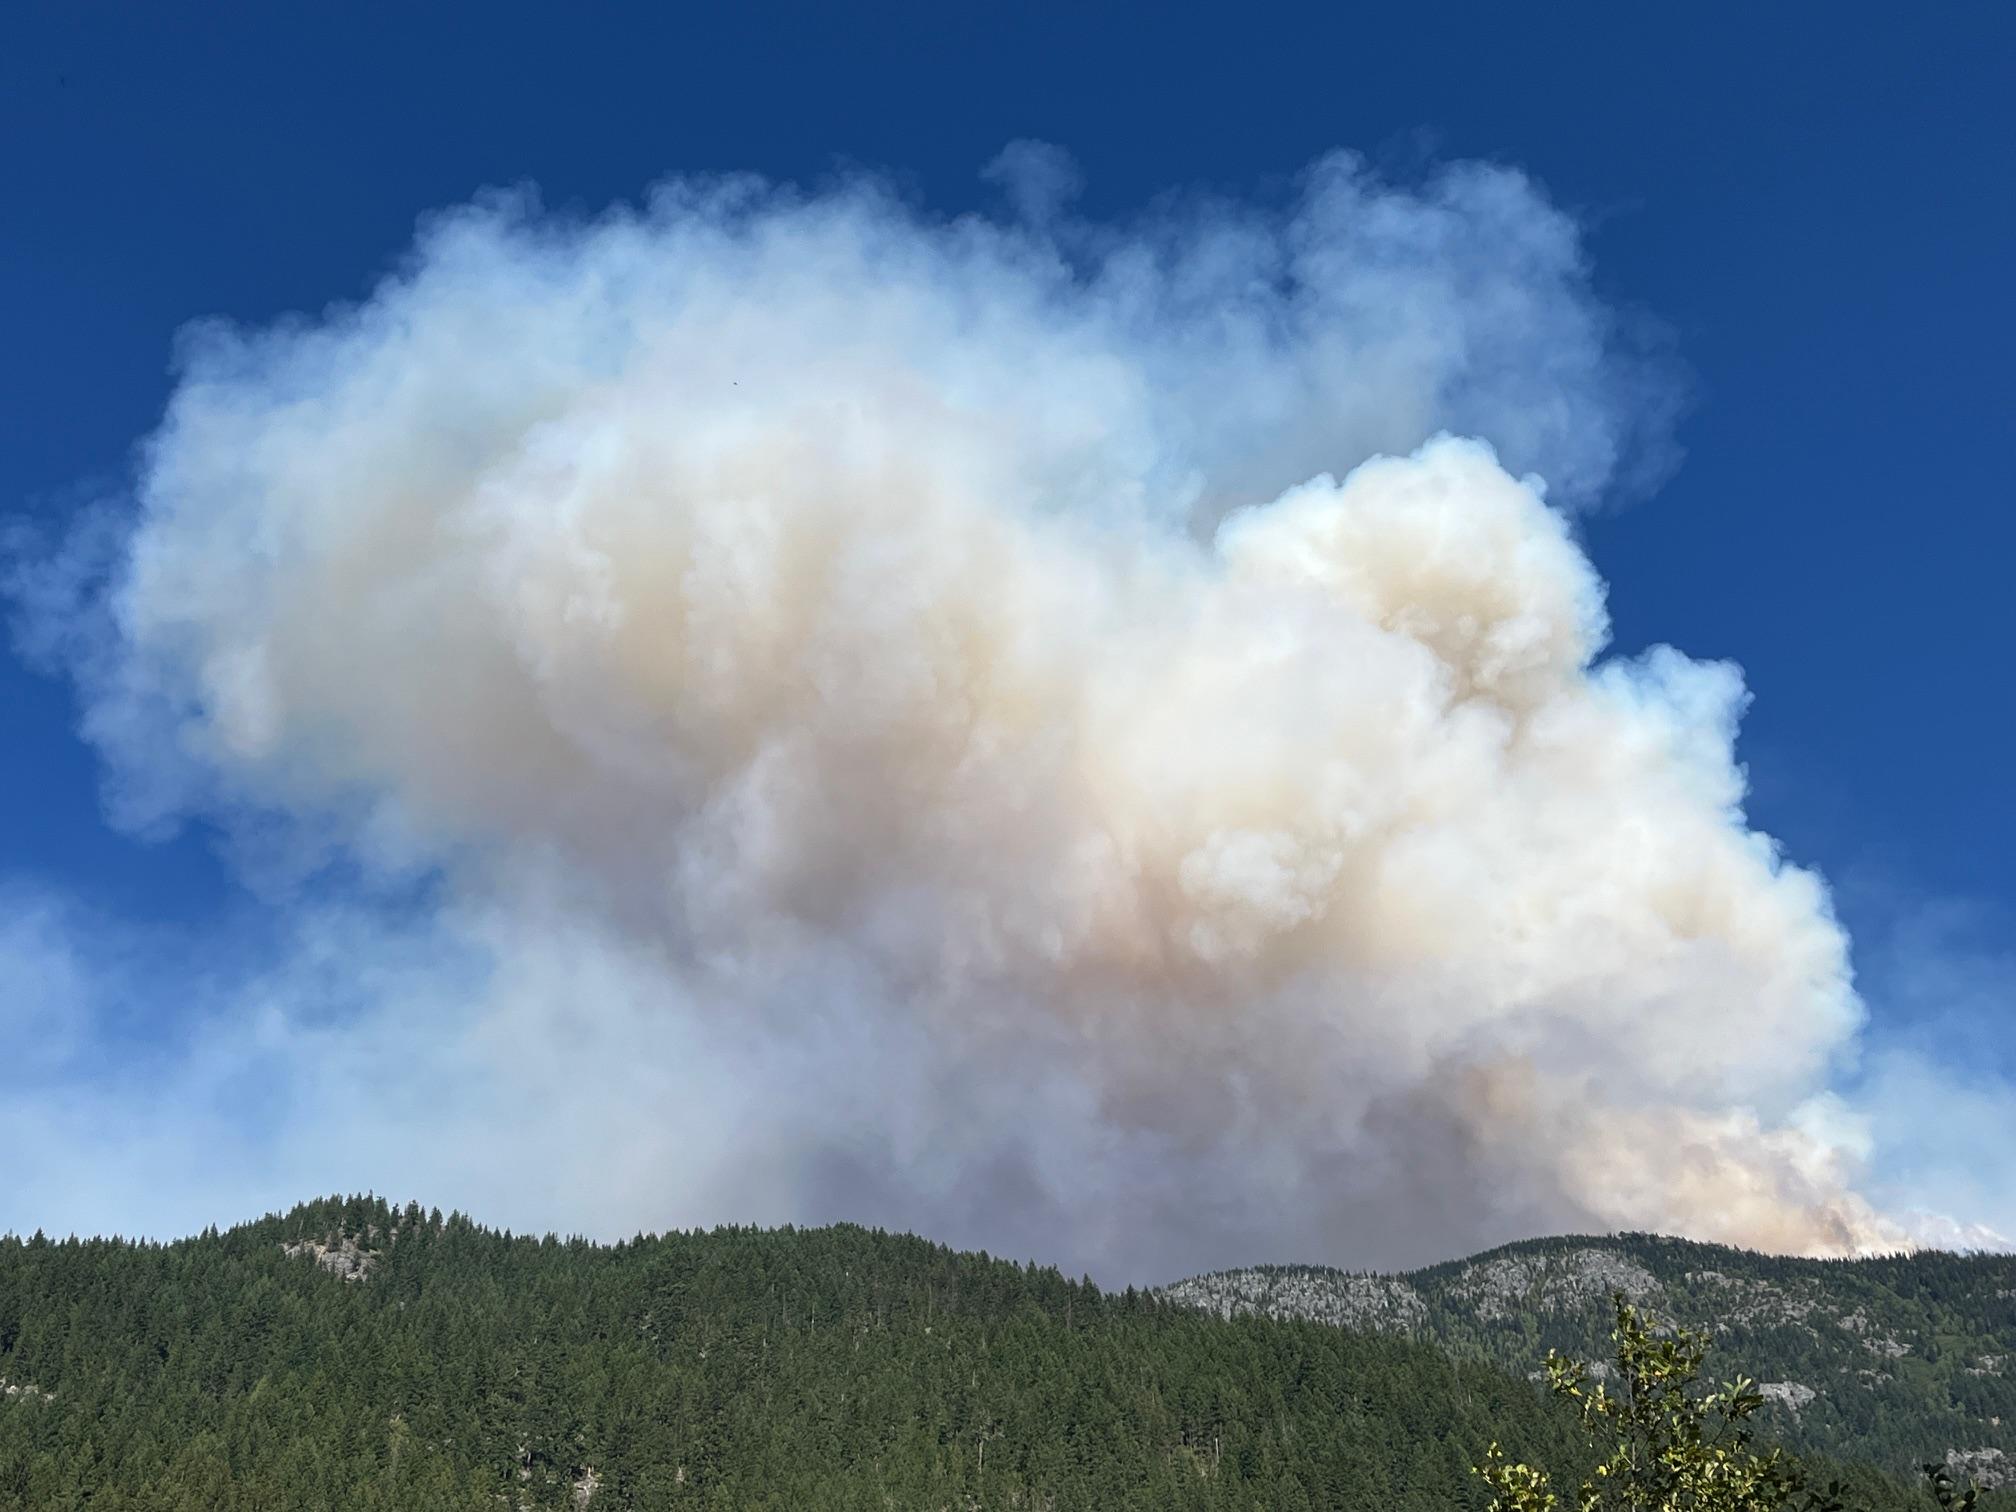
(961, 726)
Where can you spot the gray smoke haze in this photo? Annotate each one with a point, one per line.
(1039, 732)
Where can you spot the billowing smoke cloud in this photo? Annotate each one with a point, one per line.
(1037, 732)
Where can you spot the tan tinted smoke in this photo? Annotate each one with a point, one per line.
(949, 657)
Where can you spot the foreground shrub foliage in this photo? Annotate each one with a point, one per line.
(1665, 1444)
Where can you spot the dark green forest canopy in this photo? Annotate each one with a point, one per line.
(351, 1354)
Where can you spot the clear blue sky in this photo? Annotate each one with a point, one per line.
(1813, 201)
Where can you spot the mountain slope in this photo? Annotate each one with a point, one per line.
(353, 1355)
(1900, 1359)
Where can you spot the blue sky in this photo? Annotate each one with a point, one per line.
(1801, 209)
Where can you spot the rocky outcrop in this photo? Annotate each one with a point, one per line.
(340, 1255)
(1739, 1301)
(1569, 1282)
(1500, 1287)
(1374, 1304)
(1790, 1395)
(1990, 1469)
(1873, 1338)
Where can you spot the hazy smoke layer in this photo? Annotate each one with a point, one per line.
(1026, 731)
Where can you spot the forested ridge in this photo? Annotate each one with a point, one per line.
(356, 1355)
(1898, 1359)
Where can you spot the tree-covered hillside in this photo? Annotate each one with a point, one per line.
(1901, 1359)
(358, 1356)
(350, 1355)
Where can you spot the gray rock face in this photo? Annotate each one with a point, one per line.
(1748, 1303)
(1790, 1394)
(1375, 1304)
(1570, 1282)
(1496, 1288)
(1990, 1469)
(340, 1256)
(1873, 1339)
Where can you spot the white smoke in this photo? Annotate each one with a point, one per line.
(1034, 732)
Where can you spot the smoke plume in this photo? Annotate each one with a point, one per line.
(1090, 740)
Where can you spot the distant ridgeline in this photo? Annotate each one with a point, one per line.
(1899, 1360)
(358, 1356)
